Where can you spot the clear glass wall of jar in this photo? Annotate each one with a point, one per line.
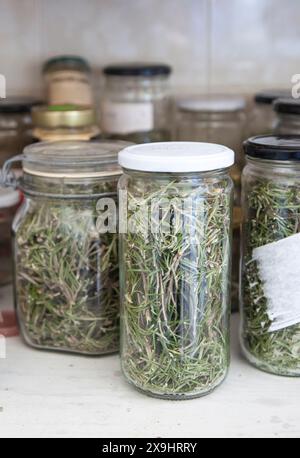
(136, 103)
(15, 125)
(64, 122)
(175, 267)
(9, 200)
(68, 80)
(270, 293)
(262, 118)
(288, 117)
(66, 265)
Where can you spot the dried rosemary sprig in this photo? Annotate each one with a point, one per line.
(273, 214)
(175, 307)
(67, 290)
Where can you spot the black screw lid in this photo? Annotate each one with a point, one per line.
(138, 69)
(273, 148)
(269, 96)
(15, 105)
(69, 61)
(288, 106)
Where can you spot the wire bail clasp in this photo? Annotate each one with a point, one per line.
(8, 178)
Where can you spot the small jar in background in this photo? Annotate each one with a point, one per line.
(136, 103)
(270, 291)
(68, 80)
(288, 117)
(9, 201)
(262, 117)
(15, 125)
(64, 122)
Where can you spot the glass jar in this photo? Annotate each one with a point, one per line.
(64, 122)
(262, 117)
(175, 267)
(270, 293)
(15, 125)
(9, 200)
(66, 263)
(68, 80)
(136, 103)
(288, 117)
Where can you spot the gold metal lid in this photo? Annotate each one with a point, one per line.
(63, 116)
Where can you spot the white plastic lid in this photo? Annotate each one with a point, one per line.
(212, 104)
(9, 197)
(177, 157)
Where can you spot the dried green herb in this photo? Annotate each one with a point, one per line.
(175, 306)
(67, 289)
(273, 214)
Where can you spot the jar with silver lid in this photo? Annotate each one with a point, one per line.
(136, 102)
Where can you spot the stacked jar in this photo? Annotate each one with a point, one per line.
(64, 122)
(66, 259)
(68, 80)
(136, 102)
(270, 293)
(175, 267)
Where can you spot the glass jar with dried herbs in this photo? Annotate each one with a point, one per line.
(176, 201)
(66, 263)
(270, 293)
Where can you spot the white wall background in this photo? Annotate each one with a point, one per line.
(216, 44)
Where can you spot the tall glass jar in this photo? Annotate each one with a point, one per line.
(15, 125)
(217, 119)
(136, 102)
(176, 201)
(64, 122)
(9, 200)
(270, 293)
(66, 260)
(288, 117)
(68, 80)
(262, 117)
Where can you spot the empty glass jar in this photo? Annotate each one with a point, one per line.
(64, 122)
(136, 102)
(270, 293)
(175, 267)
(262, 118)
(288, 117)
(66, 259)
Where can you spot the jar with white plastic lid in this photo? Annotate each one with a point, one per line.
(9, 201)
(270, 293)
(175, 264)
(66, 262)
(136, 102)
(263, 118)
(64, 122)
(288, 117)
(68, 80)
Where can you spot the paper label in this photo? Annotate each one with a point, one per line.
(126, 118)
(69, 87)
(279, 268)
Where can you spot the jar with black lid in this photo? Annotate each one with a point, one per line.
(15, 125)
(288, 117)
(262, 117)
(136, 104)
(68, 80)
(270, 291)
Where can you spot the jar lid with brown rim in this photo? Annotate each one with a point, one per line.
(55, 116)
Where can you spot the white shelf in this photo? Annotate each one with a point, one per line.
(57, 395)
